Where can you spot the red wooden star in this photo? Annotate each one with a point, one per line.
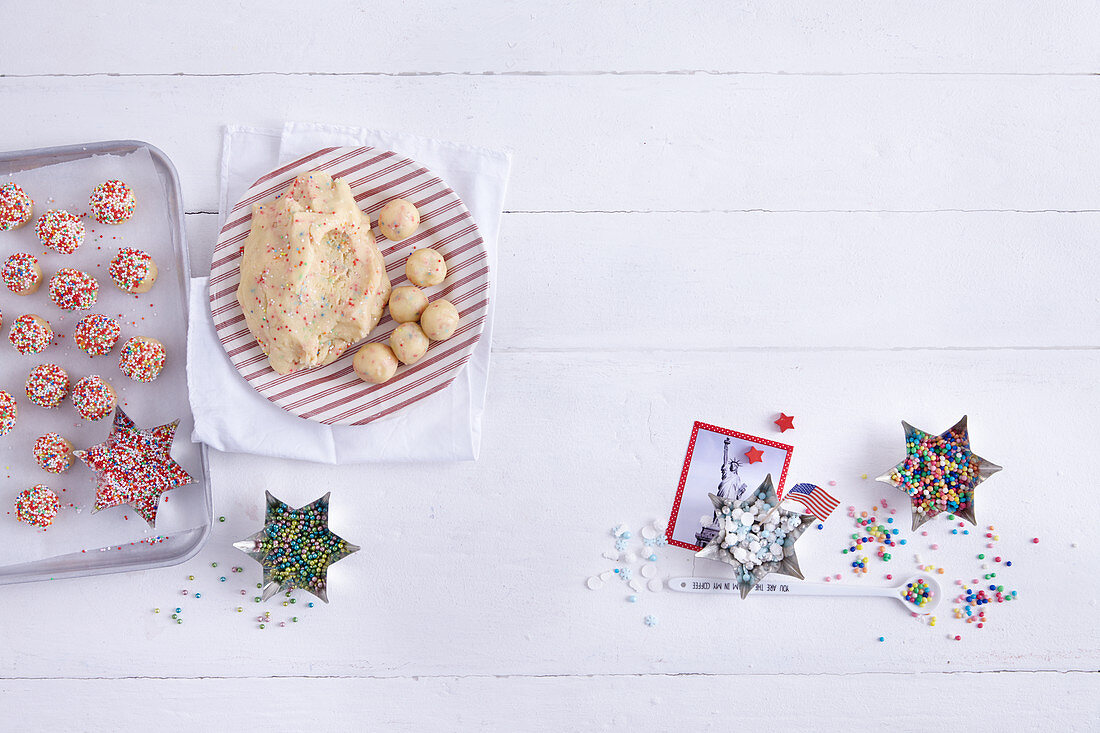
(785, 422)
(755, 455)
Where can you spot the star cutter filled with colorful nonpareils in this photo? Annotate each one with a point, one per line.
(939, 473)
(756, 536)
(134, 466)
(295, 548)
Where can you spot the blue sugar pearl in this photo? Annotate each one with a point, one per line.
(903, 542)
(821, 526)
(966, 531)
(882, 638)
(311, 604)
(198, 595)
(894, 531)
(633, 599)
(954, 531)
(1009, 563)
(992, 587)
(179, 610)
(626, 535)
(889, 520)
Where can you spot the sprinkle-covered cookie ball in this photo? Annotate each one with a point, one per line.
(60, 231)
(425, 267)
(30, 334)
(22, 273)
(409, 343)
(9, 412)
(142, 359)
(53, 453)
(47, 385)
(407, 303)
(133, 271)
(93, 397)
(73, 290)
(439, 321)
(16, 207)
(96, 334)
(398, 220)
(37, 506)
(375, 363)
(112, 202)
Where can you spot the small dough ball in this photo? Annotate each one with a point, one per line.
(37, 506)
(133, 271)
(407, 303)
(112, 202)
(60, 231)
(93, 397)
(398, 220)
(16, 206)
(375, 363)
(409, 342)
(9, 412)
(440, 320)
(72, 290)
(53, 453)
(22, 273)
(30, 333)
(425, 267)
(142, 358)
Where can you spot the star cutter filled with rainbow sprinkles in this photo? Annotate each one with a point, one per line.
(939, 473)
(134, 466)
(295, 548)
(756, 536)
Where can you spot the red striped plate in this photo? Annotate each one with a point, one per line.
(332, 394)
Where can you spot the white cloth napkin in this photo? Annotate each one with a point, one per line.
(231, 416)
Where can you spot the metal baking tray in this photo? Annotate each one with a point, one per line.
(178, 546)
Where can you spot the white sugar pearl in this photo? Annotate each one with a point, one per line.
(655, 585)
(648, 571)
(746, 518)
(775, 548)
(594, 583)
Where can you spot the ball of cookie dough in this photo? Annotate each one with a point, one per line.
(425, 267)
(407, 303)
(409, 342)
(398, 220)
(22, 273)
(133, 271)
(375, 363)
(16, 206)
(439, 321)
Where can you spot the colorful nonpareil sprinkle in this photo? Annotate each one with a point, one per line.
(73, 290)
(93, 397)
(939, 472)
(112, 202)
(21, 273)
(53, 453)
(134, 466)
(30, 334)
(142, 359)
(96, 334)
(296, 547)
(918, 593)
(47, 385)
(9, 412)
(16, 207)
(37, 506)
(130, 269)
(60, 231)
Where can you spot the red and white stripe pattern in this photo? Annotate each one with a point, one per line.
(817, 500)
(332, 394)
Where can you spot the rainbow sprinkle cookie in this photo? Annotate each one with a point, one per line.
(93, 397)
(16, 207)
(30, 334)
(37, 506)
(53, 453)
(112, 202)
(60, 231)
(142, 359)
(47, 385)
(73, 290)
(22, 273)
(133, 271)
(134, 466)
(96, 334)
(9, 412)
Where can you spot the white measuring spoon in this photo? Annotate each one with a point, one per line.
(792, 587)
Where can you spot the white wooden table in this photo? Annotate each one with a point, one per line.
(856, 213)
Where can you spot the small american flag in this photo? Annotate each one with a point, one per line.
(816, 499)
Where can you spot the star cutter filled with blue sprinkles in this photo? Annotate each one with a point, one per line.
(939, 472)
(756, 536)
(295, 548)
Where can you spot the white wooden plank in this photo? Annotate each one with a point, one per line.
(424, 36)
(479, 569)
(641, 143)
(651, 702)
(754, 280)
